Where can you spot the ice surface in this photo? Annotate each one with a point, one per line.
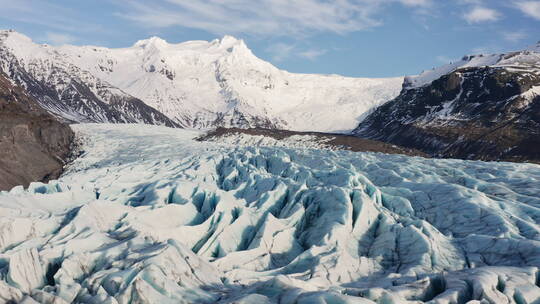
(148, 215)
(294, 141)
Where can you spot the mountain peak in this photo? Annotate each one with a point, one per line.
(152, 41)
(13, 35)
(197, 84)
(230, 40)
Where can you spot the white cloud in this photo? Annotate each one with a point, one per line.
(58, 38)
(514, 36)
(48, 15)
(530, 8)
(445, 59)
(422, 3)
(312, 54)
(480, 14)
(280, 51)
(487, 50)
(263, 17)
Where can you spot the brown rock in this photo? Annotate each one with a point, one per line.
(33, 144)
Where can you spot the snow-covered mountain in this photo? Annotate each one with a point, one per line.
(523, 60)
(204, 84)
(481, 107)
(67, 90)
(149, 215)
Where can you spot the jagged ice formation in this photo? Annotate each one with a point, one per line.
(148, 215)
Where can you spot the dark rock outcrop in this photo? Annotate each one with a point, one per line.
(483, 113)
(338, 141)
(33, 144)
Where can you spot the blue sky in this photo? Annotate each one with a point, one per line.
(361, 38)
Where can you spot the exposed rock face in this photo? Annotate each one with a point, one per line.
(479, 112)
(33, 144)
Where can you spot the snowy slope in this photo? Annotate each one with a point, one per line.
(525, 60)
(148, 215)
(66, 90)
(483, 107)
(220, 83)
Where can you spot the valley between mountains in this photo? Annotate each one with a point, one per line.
(198, 173)
(482, 107)
(196, 84)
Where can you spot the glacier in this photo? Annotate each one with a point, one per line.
(147, 214)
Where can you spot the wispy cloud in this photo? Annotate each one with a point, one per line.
(58, 38)
(420, 3)
(529, 8)
(514, 36)
(264, 17)
(479, 14)
(445, 59)
(312, 54)
(280, 51)
(46, 14)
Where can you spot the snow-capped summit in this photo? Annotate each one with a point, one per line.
(151, 42)
(527, 58)
(23, 45)
(213, 83)
(229, 42)
(13, 35)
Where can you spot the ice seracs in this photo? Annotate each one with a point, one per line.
(148, 215)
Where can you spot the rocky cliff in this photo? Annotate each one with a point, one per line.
(33, 143)
(487, 108)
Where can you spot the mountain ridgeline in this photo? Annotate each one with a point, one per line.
(67, 91)
(195, 84)
(483, 107)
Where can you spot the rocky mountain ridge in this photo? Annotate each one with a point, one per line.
(484, 107)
